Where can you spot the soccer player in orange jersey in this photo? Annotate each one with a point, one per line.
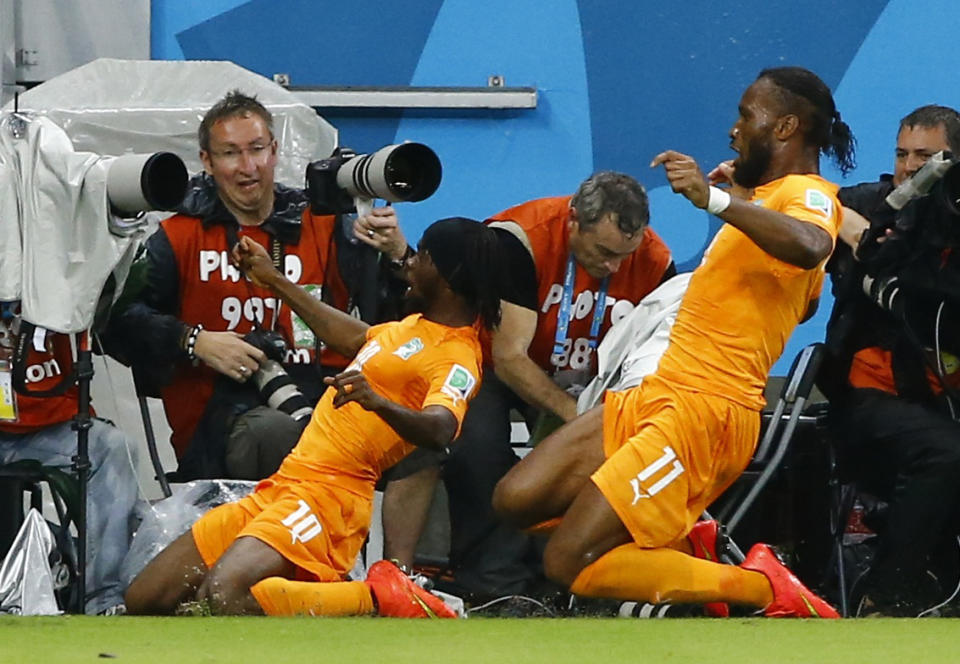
(286, 548)
(631, 477)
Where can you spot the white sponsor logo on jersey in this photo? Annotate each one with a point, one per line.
(818, 201)
(409, 349)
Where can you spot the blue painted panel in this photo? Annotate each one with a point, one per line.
(618, 82)
(170, 17)
(671, 76)
(494, 160)
(318, 42)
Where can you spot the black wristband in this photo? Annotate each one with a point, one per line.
(398, 263)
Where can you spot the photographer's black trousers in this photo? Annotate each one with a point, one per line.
(487, 557)
(909, 455)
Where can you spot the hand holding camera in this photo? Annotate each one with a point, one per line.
(275, 385)
(229, 354)
(381, 230)
(347, 181)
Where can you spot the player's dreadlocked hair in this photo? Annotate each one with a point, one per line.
(234, 105)
(467, 255)
(802, 92)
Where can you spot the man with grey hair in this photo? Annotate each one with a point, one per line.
(578, 264)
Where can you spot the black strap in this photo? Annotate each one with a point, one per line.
(276, 245)
(277, 253)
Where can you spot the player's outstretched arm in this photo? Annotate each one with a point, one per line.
(784, 237)
(341, 331)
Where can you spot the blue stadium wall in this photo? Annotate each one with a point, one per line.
(618, 82)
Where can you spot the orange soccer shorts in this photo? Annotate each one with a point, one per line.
(316, 526)
(670, 453)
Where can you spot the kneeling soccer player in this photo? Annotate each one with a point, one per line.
(631, 477)
(286, 548)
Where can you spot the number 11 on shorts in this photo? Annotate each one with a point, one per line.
(669, 458)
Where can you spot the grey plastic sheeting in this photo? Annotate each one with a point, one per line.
(114, 107)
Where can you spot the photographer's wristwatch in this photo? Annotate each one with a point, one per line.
(398, 263)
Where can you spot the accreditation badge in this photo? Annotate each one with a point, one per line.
(950, 362)
(8, 397)
(303, 336)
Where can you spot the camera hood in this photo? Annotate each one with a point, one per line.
(403, 172)
(140, 182)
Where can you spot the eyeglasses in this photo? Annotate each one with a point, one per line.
(257, 153)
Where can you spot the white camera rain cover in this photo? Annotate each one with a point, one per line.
(26, 580)
(56, 216)
(114, 107)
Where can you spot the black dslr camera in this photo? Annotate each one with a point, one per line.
(271, 379)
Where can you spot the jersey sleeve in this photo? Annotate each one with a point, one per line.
(374, 330)
(813, 202)
(453, 371)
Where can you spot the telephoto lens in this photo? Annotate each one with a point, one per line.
(280, 392)
(272, 380)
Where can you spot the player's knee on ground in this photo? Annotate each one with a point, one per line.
(150, 596)
(136, 599)
(226, 594)
(172, 577)
(561, 564)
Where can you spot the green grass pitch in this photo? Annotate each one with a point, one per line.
(495, 640)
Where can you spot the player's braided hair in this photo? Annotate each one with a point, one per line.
(467, 255)
(234, 104)
(803, 93)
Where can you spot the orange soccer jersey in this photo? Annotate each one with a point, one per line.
(742, 304)
(315, 510)
(678, 440)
